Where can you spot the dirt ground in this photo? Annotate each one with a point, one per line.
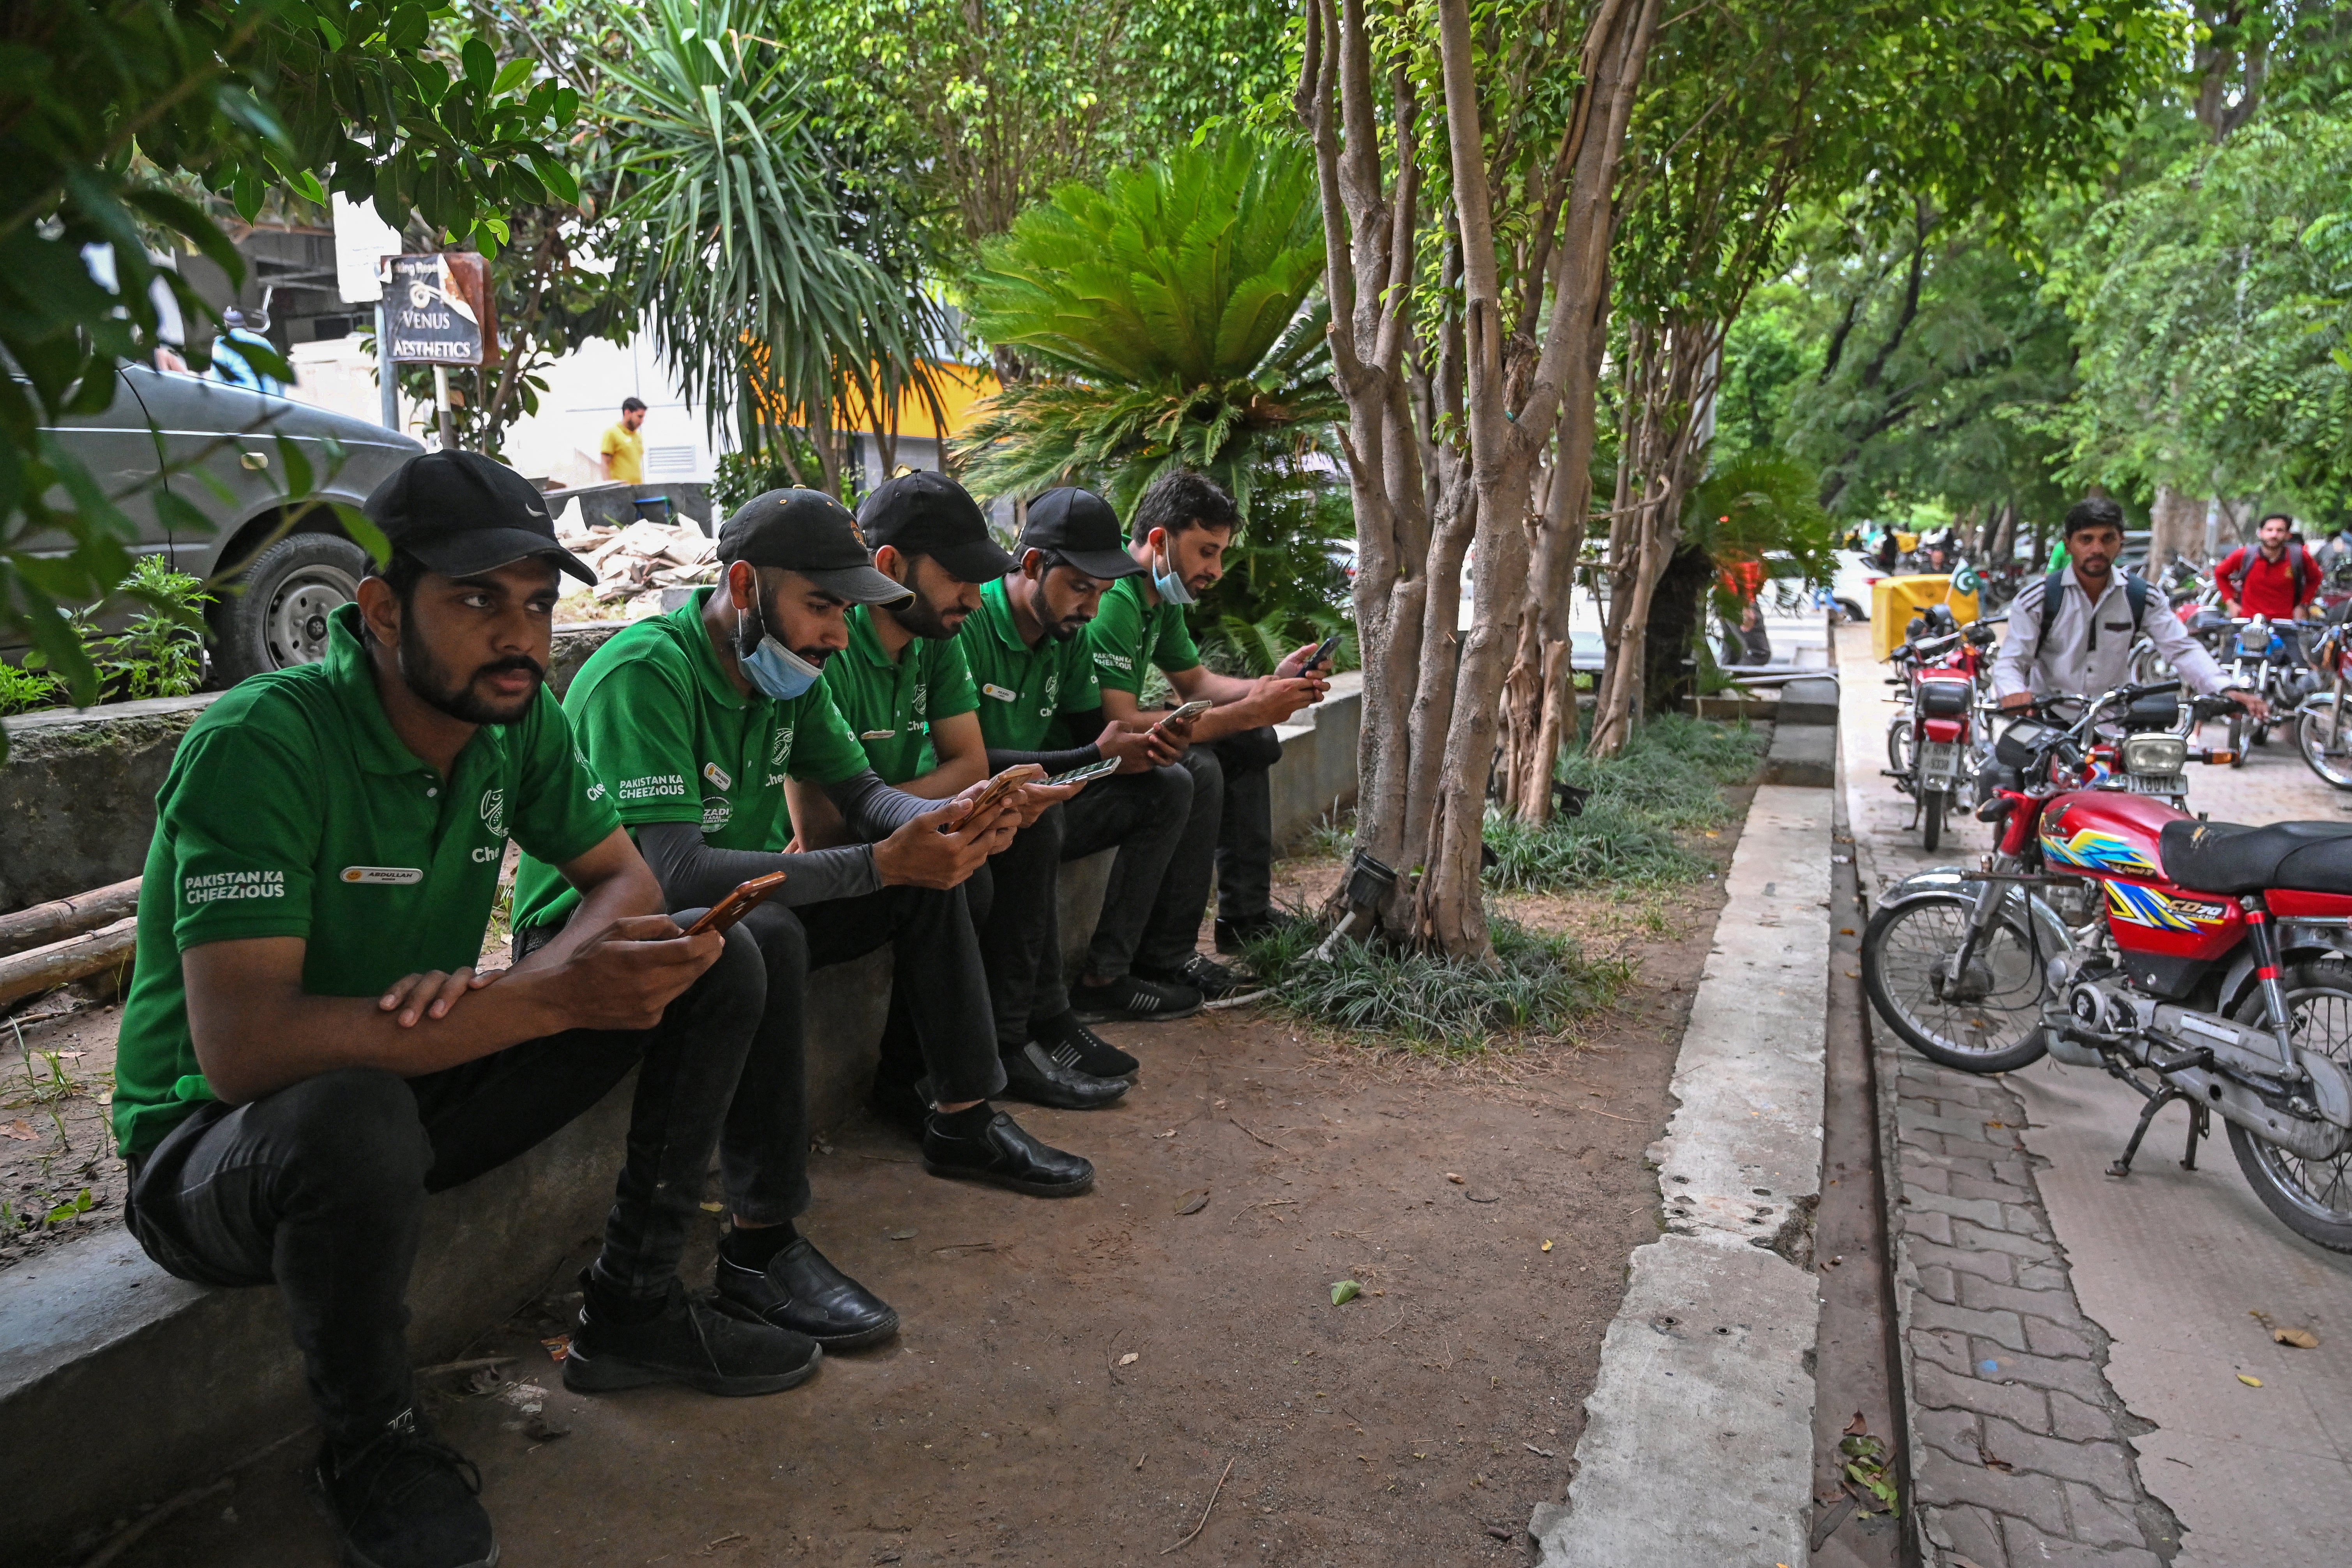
(1074, 1380)
(55, 1073)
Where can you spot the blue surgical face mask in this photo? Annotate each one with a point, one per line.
(775, 670)
(1166, 582)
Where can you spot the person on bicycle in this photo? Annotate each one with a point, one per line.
(2274, 577)
(2070, 633)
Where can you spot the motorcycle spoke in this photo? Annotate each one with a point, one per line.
(2321, 1022)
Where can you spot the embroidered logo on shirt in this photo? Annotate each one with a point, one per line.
(384, 876)
(653, 786)
(780, 748)
(716, 813)
(718, 775)
(876, 734)
(494, 814)
(990, 688)
(1118, 661)
(220, 884)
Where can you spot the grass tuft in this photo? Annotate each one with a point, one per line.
(1669, 779)
(1541, 986)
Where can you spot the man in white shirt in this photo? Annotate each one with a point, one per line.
(2082, 645)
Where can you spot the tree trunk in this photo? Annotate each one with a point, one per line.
(2175, 526)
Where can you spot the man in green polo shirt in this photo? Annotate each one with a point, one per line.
(309, 1049)
(1178, 534)
(697, 720)
(904, 687)
(1026, 650)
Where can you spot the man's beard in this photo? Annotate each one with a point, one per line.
(922, 618)
(429, 679)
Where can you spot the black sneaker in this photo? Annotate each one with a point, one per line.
(1234, 936)
(801, 1289)
(714, 1345)
(1202, 973)
(1133, 999)
(1074, 1045)
(1031, 1075)
(1004, 1155)
(407, 1501)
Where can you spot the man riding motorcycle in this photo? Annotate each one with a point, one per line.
(2071, 632)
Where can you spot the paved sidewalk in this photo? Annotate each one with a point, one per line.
(2156, 1276)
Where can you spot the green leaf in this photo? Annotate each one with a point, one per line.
(481, 64)
(1344, 1291)
(513, 74)
(363, 531)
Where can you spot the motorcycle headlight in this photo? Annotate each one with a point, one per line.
(2154, 753)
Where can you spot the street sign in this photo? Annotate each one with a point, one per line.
(362, 242)
(438, 310)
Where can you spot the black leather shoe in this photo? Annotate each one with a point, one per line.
(1005, 1155)
(1031, 1075)
(800, 1289)
(1200, 975)
(1133, 999)
(715, 1346)
(407, 1501)
(1074, 1045)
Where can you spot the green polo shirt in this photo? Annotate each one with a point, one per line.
(1129, 629)
(291, 809)
(890, 704)
(662, 724)
(1024, 689)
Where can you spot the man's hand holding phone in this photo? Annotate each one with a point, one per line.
(944, 846)
(624, 975)
(1138, 751)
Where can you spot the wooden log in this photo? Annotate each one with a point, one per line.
(62, 917)
(26, 973)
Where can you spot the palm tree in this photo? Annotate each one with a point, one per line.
(781, 278)
(1166, 312)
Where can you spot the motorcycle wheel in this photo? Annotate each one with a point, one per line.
(1905, 944)
(2312, 1198)
(1931, 819)
(2311, 727)
(1898, 747)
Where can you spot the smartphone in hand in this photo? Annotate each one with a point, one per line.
(997, 791)
(746, 897)
(1322, 656)
(1094, 770)
(1191, 709)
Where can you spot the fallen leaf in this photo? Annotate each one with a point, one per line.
(1170, 1133)
(1130, 1357)
(902, 1235)
(1345, 1290)
(1547, 1247)
(1455, 1176)
(1857, 1426)
(2302, 1339)
(2250, 1381)
(19, 1130)
(1193, 1202)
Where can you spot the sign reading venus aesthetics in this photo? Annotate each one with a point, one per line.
(436, 308)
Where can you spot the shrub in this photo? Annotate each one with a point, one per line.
(22, 691)
(1669, 779)
(1539, 987)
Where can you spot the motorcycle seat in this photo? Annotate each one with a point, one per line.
(2230, 857)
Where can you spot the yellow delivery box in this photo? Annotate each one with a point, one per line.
(1895, 600)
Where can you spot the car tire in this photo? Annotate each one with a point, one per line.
(274, 615)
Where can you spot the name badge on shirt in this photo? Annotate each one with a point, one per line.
(718, 776)
(383, 875)
(991, 689)
(2117, 625)
(876, 734)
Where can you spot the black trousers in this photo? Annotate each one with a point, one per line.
(1246, 821)
(939, 1024)
(321, 1186)
(1163, 824)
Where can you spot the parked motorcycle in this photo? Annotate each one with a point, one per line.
(2204, 962)
(1930, 742)
(2321, 723)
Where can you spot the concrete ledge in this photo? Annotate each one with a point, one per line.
(1804, 755)
(98, 1328)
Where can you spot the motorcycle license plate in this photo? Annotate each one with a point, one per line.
(1939, 762)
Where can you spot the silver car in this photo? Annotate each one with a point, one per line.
(272, 595)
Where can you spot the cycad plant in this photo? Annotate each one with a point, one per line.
(1166, 312)
(779, 278)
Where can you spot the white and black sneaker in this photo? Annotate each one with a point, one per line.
(1133, 999)
(1074, 1045)
(1204, 975)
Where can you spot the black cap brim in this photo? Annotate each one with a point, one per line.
(1103, 563)
(974, 560)
(859, 584)
(477, 551)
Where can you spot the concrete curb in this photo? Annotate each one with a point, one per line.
(1699, 1448)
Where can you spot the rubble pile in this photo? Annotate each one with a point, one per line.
(636, 563)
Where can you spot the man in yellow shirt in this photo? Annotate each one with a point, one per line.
(623, 449)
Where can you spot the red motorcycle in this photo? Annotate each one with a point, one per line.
(2198, 961)
(1930, 743)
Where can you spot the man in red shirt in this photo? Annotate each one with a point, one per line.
(2273, 577)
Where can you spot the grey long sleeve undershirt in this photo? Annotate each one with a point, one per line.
(693, 875)
(1089, 722)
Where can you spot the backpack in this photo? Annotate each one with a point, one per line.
(2053, 597)
(2246, 553)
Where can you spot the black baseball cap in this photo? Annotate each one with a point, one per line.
(462, 513)
(926, 513)
(1079, 526)
(808, 533)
